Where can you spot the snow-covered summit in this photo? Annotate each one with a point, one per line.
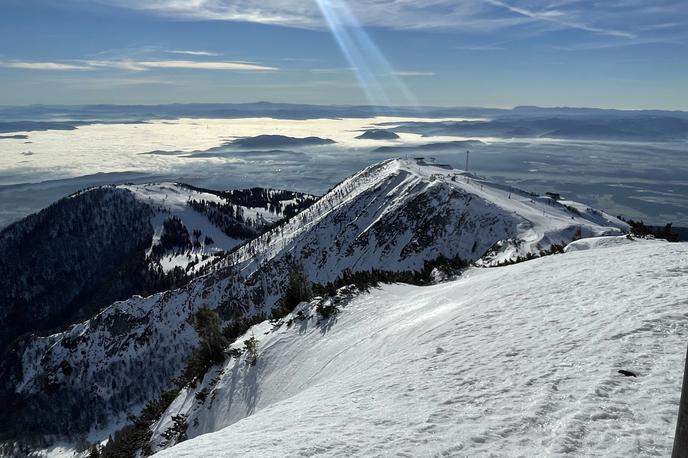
(213, 222)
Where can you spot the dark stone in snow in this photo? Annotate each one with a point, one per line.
(627, 373)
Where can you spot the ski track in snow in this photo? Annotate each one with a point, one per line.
(514, 361)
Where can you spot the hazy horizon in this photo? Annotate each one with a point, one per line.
(345, 105)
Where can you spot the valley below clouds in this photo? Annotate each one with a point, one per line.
(644, 177)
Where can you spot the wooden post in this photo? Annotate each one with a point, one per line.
(681, 437)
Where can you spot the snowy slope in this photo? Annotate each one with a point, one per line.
(170, 200)
(396, 216)
(516, 361)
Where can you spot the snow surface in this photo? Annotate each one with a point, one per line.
(513, 361)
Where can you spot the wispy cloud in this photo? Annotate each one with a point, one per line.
(626, 19)
(560, 18)
(332, 70)
(190, 64)
(481, 48)
(139, 66)
(196, 53)
(49, 66)
(591, 46)
(412, 73)
(124, 64)
(665, 26)
(293, 13)
(119, 82)
(405, 14)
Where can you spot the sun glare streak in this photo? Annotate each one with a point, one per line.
(373, 71)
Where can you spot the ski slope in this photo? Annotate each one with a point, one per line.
(513, 361)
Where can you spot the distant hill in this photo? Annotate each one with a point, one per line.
(30, 126)
(618, 127)
(278, 141)
(378, 134)
(14, 137)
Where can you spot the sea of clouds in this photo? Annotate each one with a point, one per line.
(643, 178)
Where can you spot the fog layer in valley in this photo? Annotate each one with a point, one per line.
(580, 154)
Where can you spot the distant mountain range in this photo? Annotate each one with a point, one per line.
(41, 117)
(607, 126)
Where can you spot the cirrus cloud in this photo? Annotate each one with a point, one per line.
(195, 53)
(614, 18)
(189, 64)
(51, 66)
(138, 66)
(412, 73)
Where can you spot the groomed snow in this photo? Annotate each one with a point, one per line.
(511, 361)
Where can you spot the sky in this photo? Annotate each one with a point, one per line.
(626, 54)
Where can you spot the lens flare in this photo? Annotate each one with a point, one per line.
(375, 75)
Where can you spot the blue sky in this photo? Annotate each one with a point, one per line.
(502, 53)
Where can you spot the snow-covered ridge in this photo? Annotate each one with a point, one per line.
(395, 216)
(520, 361)
(397, 209)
